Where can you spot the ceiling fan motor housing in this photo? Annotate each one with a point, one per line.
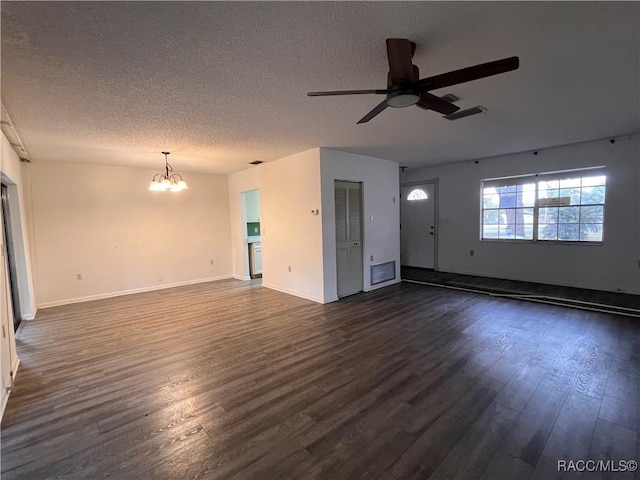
(403, 96)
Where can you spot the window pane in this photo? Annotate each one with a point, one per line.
(592, 214)
(569, 214)
(548, 215)
(591, 232)
(490, 217)
(572, 193)
(551, 193)
(592, 195)
(524, 215)
(526, 195)
(568, 232)
(570, 182)
(490, 231)
(593, 181)
(507, 196)
(490, 201)
(546, 184)
(505, 215)
(507, 232)
(547, 231)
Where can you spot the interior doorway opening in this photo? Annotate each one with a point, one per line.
(252, 233)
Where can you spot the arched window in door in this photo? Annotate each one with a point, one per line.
(417, 194)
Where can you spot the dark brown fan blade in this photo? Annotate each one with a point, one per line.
(468, 74)
(347, 92)
(431, 102)
(400, 52)
(381, 106)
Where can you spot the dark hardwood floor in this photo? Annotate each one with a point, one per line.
(232, 380)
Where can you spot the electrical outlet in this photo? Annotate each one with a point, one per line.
(372, 258)
(471, 252)
(78, 276)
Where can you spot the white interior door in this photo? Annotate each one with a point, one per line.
(417, 226)
(348, 196)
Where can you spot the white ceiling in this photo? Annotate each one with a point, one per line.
(220, 84)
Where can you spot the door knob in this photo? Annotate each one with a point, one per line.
(355, 244)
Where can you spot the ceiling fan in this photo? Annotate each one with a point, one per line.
(405, 88)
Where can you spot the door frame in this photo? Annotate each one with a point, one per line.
(10, 258)
(436, 213)
(362, 233)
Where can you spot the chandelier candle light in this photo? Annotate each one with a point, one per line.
(168, 181)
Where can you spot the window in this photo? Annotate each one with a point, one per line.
(562, 207)
(417, 194)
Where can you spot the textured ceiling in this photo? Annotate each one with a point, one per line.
(220, 84)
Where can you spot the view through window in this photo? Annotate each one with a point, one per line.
(566, 207)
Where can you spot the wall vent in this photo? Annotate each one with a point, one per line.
(383, 272)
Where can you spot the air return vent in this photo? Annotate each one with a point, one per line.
(465, 113)
(383, 272)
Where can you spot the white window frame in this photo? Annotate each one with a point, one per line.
(535, 179)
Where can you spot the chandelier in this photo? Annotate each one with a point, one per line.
(167, 181)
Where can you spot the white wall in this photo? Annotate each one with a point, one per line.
(102, 222)
(250, 179)
(291, 235)
(612, 266)
(381, 213)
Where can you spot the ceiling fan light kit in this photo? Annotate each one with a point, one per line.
(405, 88)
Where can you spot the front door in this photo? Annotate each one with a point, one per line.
(417, 226)
(348, 197)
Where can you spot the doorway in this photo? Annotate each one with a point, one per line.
(348, 204)
(10, 257)
(252, 232)
(417, 226)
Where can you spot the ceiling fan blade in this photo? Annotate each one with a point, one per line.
(347, 92)
(431, 102)
(381, 106)
(400, 52)
(468, 74)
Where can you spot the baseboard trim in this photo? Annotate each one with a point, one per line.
(240, 277)
(120, 293)
(383, 285)
(30, 316)
(293, 292)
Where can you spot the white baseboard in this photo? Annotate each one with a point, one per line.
(30, 316)
(293, 292)
(240, 277)
(382, 285)
(120, 293)
(5, 400)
